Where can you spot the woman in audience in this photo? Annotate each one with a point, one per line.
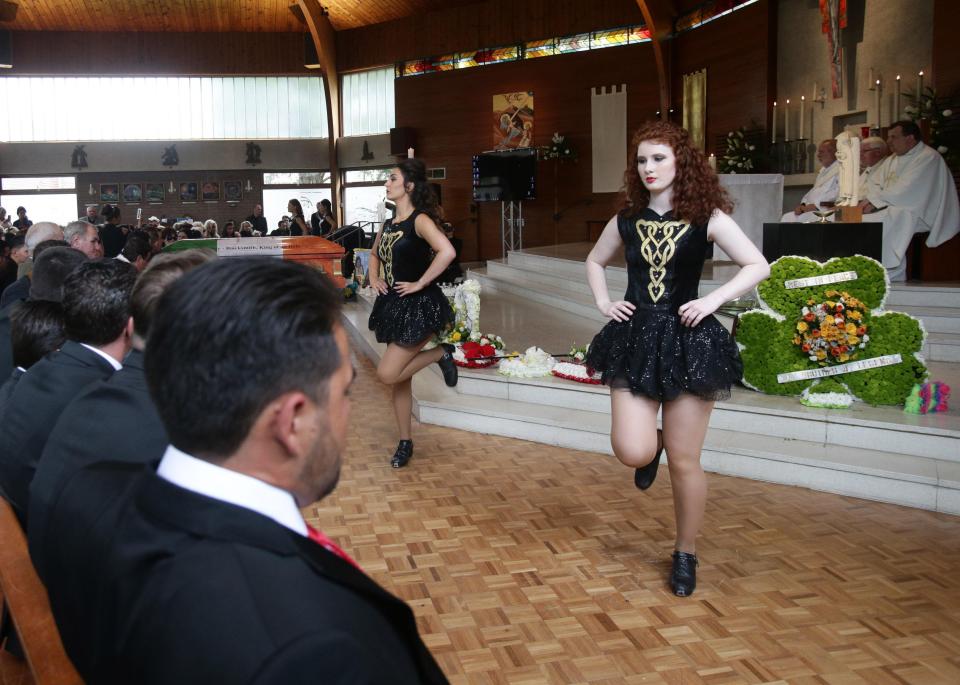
(297, 224)
(210, 229)
(663, 348)
(410, 308)
(22, 222)
(111, 235)
(326, 223)
(246, 229)
(230, 230)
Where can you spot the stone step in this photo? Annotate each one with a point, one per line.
(941, 323)
(900, 295)
(811, 460)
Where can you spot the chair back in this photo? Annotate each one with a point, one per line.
(26, 600)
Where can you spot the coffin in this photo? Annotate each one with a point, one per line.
(316, 252)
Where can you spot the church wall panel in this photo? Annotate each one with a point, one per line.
(734, 52)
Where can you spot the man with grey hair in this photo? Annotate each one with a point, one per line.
(91, 215)
(873, 150)
(41, 231)
(84, 236)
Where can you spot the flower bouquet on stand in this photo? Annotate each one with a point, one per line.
(577, 370)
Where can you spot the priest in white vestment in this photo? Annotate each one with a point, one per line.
(912, 191)
(873, 150)
(825, 188)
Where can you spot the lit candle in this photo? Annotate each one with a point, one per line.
(803, 99)
(773, 123)
(712, 161)
(786, 120)
(876, 92)
(896, 101)
(410, 152)
(919, 88)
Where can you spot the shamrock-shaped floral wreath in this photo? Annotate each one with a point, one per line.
(779, 338)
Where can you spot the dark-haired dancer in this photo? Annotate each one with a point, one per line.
(111, 235)
(297, 224)
(410, 307)
(663, 346)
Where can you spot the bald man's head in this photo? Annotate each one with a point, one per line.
(41, 231)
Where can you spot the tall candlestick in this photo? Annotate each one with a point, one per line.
(919, 89)
(786, 120)
(816, 92)
(896, 101)
(877, 94)
(773, 124)
(803, 99)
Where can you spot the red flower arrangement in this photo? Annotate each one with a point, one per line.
(471, 351)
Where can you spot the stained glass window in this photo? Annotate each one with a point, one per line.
(577, 43)
(609, 39)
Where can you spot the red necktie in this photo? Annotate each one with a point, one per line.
(329, 545)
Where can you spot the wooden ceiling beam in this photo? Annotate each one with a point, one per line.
(659, 16)
(324, 40)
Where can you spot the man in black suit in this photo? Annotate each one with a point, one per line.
(258, 220)
(205, 571)
(96, 315)
(128, 427)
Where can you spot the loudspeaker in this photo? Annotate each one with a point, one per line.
(310, 58)
(438, 191)
(401, 139)
(6, 49)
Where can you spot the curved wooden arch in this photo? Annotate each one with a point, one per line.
(324, 40)
(658, 16)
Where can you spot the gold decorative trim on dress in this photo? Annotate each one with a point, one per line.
(658, 251)
(385, 251)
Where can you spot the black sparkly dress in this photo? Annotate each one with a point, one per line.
(652, 353)
(410, 319)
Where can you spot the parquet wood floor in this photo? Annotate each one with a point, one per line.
(529, 564)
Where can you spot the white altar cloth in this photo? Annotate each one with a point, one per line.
(757, 198)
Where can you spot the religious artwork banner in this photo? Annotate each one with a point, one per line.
(513, 120)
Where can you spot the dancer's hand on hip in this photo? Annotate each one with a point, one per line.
(621, 310)
(408, 287)
(379, 285)
(694, 311)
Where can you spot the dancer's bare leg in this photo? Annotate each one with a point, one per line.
(633, 433)
(685, 422)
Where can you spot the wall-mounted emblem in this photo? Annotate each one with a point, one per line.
(170, 157)
(78, 160)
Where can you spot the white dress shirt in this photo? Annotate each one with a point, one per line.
(113, 362)
(232, 487)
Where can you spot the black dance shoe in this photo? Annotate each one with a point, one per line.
(644, 476)
(683, 577)
(447, 366)
(403, 454)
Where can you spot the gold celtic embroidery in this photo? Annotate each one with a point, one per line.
(385, 252)
(658, 242)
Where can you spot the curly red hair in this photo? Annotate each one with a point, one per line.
(696, 188)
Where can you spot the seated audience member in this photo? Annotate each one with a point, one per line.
(8, 267)
(246, 229)
(128, 428)
(169, 236)
(153, 222)
(5, 220)
(41, 232)
(322, 222)
(210, 229)
(205, 570)
(22, 221)
(111, 233)
(230, 230)
(912, 191)
(6, 358)
(92, 215)
(825, 187)
(137, 250)
(96, 315)
(873, 150)
(283, 227)
(257, 220)
(84, 236)
(36, 329)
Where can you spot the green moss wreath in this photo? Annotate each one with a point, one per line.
(766, 336)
